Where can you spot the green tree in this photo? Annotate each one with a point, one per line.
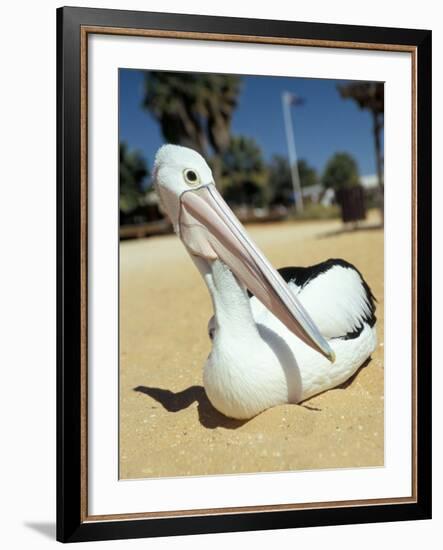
(132, 172)
(370, 96)
(308, 174)
(243, 173)
(280, 179)
(194, 109)
(341, 172)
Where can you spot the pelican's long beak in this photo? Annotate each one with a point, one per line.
(209, 229)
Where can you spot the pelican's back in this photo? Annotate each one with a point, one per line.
(336, 296)
(342, 306)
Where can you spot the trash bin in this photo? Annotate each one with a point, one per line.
(352, 203)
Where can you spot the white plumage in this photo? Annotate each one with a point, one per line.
(257, 363)
(336, 299)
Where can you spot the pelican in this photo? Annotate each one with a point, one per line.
(277, 336)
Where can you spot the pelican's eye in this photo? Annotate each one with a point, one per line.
(191, 177)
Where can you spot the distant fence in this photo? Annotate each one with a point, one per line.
(163, 226)
(148, 229)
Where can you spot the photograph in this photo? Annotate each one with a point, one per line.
(251, 274)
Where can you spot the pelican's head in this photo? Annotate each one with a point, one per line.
(210, 231)
(177, 170)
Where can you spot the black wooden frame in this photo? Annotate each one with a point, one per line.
(70, 525)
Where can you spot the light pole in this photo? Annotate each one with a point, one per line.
(289, 99)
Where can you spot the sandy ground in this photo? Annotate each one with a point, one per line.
(167, 425)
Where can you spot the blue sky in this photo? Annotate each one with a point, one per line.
(323, 125)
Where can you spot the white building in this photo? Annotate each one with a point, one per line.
(370, 181)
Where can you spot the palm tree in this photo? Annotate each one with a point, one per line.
(194, 109)
(370, 96)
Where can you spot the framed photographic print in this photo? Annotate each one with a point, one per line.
(244, 252)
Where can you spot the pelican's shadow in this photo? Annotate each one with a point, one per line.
(174, 402)
(349, 229)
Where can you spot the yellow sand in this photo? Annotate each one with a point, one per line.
(167, 425)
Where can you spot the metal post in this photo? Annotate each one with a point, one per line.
(287, 99)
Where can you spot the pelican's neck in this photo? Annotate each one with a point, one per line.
(230, 300)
